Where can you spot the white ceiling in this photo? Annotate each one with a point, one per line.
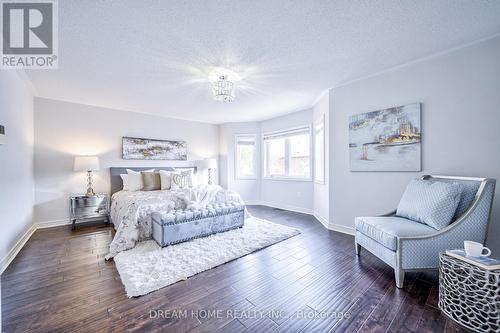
(154, 56)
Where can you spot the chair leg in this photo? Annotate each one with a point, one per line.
(400, 277)
(358, 248)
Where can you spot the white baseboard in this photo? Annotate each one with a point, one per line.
(322, 220)
(334, 227)
(16, 248)
(285, 207)
(253, 203)
(330, 226)
(342, 228)
(50, 224)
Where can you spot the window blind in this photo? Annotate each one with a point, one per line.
(284, 134)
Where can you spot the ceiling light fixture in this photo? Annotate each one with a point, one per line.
(222, 89)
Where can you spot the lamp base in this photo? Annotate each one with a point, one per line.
(90, 190)
(210, 182)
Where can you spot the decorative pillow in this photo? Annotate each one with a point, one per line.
(469, 190)
(135, 179)
(165, 179)
(151, 181)
(124, 181)
(179, 180)
(189, 176)
(432, 203)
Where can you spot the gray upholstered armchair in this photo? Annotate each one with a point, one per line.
(406, 245)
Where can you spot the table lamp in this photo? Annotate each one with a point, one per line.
(89, 164)
(210, 164)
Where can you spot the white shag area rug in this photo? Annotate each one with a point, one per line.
(148, 267)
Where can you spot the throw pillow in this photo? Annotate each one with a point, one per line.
(179, 180)
(124, 181)
(135, 179)
(189, 177)
(432, 203)
(151, 181)
(165, 180)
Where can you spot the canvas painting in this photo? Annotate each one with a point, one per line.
(151, 149)
(386, 140)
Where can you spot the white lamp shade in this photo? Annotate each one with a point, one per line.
(86, 163)
(209, 163)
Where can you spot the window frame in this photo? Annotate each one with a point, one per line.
(309, 178)
(237, 175)
(320, 120)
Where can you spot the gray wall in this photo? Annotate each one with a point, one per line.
(16, 160)
(16, 163)
(460, 95)
(63, 130)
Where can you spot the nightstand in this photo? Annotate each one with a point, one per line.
(87, 208)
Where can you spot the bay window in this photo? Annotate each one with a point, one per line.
(287, 154)
(245, 156)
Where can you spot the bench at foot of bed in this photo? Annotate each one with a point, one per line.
(183, 225)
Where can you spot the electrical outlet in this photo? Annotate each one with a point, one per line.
(2, 135)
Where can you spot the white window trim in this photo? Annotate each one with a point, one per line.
(281, 177)
(320, 119)
(237, 160)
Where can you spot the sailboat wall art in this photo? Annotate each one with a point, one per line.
(386, 140)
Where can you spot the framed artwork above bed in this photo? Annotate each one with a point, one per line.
(153, 149)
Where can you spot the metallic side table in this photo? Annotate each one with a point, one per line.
(469, 295)
(89, 208)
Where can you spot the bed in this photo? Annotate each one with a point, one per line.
(131, 211)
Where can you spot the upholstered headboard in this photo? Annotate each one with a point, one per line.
(116, 180)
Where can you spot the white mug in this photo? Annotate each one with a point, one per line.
(475, 249)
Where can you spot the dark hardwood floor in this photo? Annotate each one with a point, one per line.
(313, 282)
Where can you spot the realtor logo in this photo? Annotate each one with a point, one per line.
(29, 34)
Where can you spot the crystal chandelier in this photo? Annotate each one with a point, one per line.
(222, 89)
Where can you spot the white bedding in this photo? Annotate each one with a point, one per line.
(131, 211)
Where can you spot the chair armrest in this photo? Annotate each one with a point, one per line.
(393, 213)
(423, 251)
